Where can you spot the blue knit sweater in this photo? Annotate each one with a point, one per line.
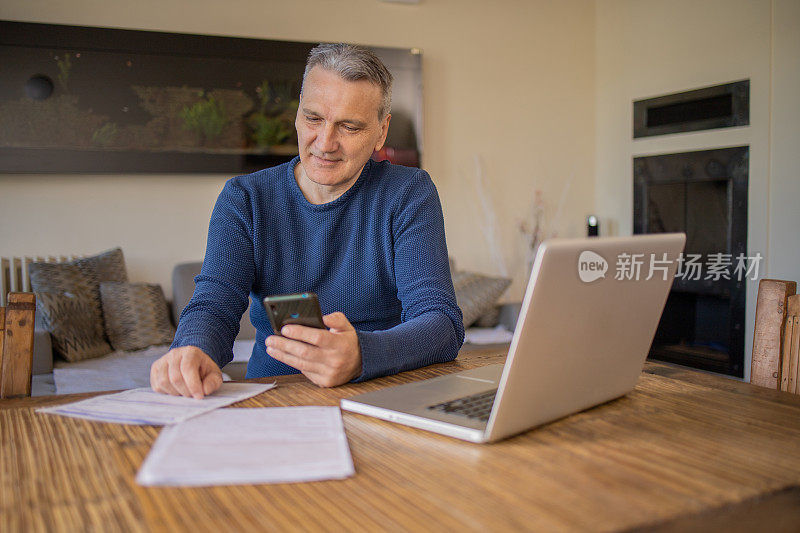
(377, 253)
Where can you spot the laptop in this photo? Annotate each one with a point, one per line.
(588, 318)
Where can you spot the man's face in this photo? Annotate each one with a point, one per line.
(338, 127)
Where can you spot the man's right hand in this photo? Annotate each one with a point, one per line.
(185, 371)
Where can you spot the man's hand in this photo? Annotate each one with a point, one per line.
(327, 357)
(186, 371)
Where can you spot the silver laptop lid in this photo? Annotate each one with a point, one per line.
(588, 318)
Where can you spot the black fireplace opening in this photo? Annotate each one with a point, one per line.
(703, 194)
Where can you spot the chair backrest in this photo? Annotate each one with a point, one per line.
(790, 347)
(16, 344)
(776, 339)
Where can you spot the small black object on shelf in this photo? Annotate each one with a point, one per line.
(592, 226)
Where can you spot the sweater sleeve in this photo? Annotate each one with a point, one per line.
(431, 329)
(210, 321)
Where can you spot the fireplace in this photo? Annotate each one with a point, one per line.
(703, 194)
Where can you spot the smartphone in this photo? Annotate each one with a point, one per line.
(302, 308)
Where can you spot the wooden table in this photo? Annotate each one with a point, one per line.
(684, 449)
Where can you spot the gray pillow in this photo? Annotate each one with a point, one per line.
(489, 319)
(477, 294)
(136, 315)
(71, 319)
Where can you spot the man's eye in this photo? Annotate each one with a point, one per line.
(351, 129)
(313, 119)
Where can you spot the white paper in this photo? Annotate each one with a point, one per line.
(496, 335)
(145, 407)
(245, 446)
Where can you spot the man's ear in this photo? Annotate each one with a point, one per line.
(384, 132)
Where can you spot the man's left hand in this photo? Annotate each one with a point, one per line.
(327, 357)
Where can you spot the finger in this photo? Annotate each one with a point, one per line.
(210, 375)
(176, 378)
(163, 385)
(305, 334)
(190, 371)
(211, 382)
(159, 380)
(319, 378)
(300, 363)
(154, 376)
(337, 321)
(299, 349)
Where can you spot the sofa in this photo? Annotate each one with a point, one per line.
(125, 369)
(120, 370)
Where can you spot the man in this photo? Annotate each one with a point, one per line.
(367, 237)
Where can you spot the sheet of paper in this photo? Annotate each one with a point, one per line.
(145, 407)
(245, 446)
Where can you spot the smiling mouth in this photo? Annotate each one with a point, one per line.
(324, 161)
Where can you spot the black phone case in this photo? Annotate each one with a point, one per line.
(300, 309)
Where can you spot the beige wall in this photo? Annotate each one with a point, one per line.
(784, 190)
(647, 48)
(509, 81)
(512, 82)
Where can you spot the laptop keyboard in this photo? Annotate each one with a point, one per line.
(476, 406)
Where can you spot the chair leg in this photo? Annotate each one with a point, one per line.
(2, 336)
(17, 354)
(765, 367)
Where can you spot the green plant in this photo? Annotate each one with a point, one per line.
(268, 131)
(275, 98)
(206, 118)
(272, 123)
(105, 135)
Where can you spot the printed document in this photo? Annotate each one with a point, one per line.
(245, 446)
(145, 407)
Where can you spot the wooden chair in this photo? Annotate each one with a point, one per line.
(790, 347)
(16, 344)
(776, 339)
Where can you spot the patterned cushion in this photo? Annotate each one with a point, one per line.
(87, 271)
(107, 266)
(81, 279)
(136, 315)
(71, 319)
(477, 294)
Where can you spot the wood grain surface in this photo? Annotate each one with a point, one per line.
(2, 336)
(16, 350)
(790, 350)
(681, 444)
(765, 368)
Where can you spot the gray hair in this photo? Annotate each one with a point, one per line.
(353, 63)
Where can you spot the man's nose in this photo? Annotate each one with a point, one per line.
(326, 139)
